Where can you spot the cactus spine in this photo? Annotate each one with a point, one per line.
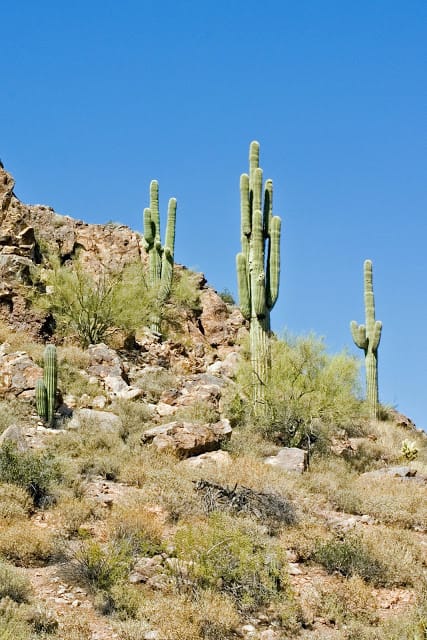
(258, 270)
(367, 337)
(46, 388)
(161, 259)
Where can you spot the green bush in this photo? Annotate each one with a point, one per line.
(91, 306)
(102, 566)
(230, 556)
(309, 392)
(351, 557)
(13, 584)
(35, 472)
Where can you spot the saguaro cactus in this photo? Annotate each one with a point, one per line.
(161, 259)
(367, 337)
(46, 388)
(258, 269)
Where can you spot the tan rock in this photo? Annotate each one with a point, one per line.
(187, 439)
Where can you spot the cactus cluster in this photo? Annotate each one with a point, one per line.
(161, 258)
(258, 269)
(367, 337)
(46, 388)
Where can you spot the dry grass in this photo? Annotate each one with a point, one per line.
(15, 504)
(210, 616)
(28, 545)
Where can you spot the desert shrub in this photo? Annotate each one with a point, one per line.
(15, 503)
(94, 450)
(73, 512)
(200, 411)
(185, 292)
(172, 488)
(227, 297)
(138, 526)
(310, 391)
(350, 556)
(102, 566)
(342, 601)
(13, 411)
(400, 552)
(13, 584)
(154, 381)
(121, 599)
(232, 556)
(134, 416)
(28, 545)
(209, 615)
(90, 306)
(389, 500)
(35, 472)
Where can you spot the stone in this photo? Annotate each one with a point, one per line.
(99, 402)
(13, 433)
(290, 459)
(393, 472)
(103, 420)
(164, 409)
(209, 461)
(18, 374)
(269, 634)
(226, 367)
(187, 439)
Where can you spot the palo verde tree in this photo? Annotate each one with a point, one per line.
(367, 337)
(258, 270)
(161, 258)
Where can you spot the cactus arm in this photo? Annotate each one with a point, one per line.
(245, 209)
(268, 207)
(154, 208)
(243, 289)
(170, 227)
(257, 266)
(41, 399)
(273, 262)
(376, 335)
(256, 187)
(50, 380)
(253, 158)
(148, 227)
(358, 332)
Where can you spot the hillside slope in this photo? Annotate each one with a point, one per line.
(151, 509)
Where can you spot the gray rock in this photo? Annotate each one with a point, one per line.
(289, 459)
(209, 461)
(101, 419)
(14, 434)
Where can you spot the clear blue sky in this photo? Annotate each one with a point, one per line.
(99, 97)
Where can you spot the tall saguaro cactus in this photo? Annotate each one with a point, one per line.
(367, 337)
(161, 259)
(46, 388)
(258, 269)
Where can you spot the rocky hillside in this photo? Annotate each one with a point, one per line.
(155, 508)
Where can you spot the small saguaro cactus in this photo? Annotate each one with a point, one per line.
(161, 259)
(258, 269)
(367, 337)
(46, 388)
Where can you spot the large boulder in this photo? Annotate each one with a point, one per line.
(186, 439)
(289, 459)
(103, 420)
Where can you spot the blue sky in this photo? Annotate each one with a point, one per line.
(98, 98)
